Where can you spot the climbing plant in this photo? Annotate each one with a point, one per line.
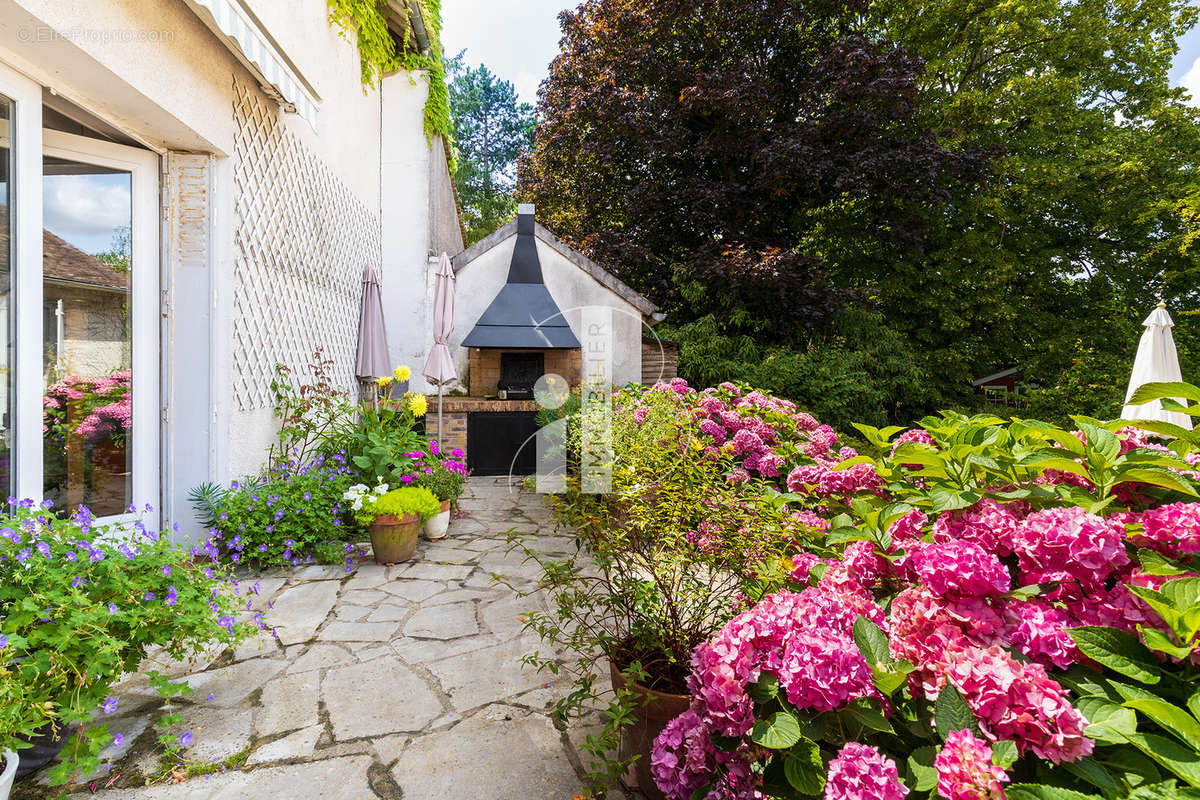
(367, 22)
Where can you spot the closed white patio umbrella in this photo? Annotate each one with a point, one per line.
(439, 367)
(1157, 361)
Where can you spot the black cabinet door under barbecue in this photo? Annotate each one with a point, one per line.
(496, 438)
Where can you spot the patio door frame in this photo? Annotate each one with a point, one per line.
(29, 142)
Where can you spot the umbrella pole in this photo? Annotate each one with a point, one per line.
(439, 415)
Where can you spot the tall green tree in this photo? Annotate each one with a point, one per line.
(491, 130)
(696, 145)
(1087, 217)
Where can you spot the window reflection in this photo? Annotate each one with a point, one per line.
(87, 336)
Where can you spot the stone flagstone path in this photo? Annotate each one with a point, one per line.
(389, 682)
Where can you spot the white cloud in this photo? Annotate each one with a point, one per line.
(86, 209)
(1191, 82)
(517, 41)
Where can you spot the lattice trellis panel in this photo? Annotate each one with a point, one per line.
(302, 240)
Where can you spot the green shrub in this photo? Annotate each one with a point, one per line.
(283, 517)
(860, 370)
(81, 605)
(1093, 384)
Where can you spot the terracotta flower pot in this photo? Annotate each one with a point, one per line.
(437, 526)
(394, 539)
(652, 710)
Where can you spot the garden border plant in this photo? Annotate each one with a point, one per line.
(978, 607)
(81, 605)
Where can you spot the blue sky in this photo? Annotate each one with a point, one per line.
(86, 210)
(517, 41)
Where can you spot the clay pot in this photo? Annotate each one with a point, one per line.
(394, 539)
(438, 525)
(652, 710)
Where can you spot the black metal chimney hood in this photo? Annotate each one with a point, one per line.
(523, 315)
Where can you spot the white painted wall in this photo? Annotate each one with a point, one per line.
(153, 69)
(478, 282)
(411, 166)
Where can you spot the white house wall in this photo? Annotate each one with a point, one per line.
(420, 221)
(157, 72)
(478, 282)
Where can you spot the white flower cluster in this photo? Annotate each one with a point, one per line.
(359, 494)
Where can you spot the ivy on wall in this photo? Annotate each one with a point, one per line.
(367, 22)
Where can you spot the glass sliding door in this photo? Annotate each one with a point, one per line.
(99, 325)
(87, 293)
(79, 313)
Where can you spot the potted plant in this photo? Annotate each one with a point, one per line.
(666, 558)
(393, 518)
(445, 476)
(80, 605)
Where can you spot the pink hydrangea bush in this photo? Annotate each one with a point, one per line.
(983, 587)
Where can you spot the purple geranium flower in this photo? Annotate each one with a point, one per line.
(109, 705)
(172, 596)
(186, 739)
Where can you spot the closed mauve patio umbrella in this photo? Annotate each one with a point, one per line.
(1156, 362)
(439, 367)
(372, 360)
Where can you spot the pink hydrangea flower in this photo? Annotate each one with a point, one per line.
(802, 564)
(987, 523)
(805, 422)
(683, 758)
(1069, 545)
(767, 638)
(1173, 530)
(1039, 630)
(860, 564)
(639, 414)
(713, 429)
(918, 435)
(769, 465)
(1018, 702)
(924, 628)
(860, 772)
(961, 568)
(965, 769)
(908, 527)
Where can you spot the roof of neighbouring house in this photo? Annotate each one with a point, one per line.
(64, 262)
(1004, 373)
(599, 273)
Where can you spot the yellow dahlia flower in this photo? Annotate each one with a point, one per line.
(384, 382)
(416, 404)
(402, 373)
